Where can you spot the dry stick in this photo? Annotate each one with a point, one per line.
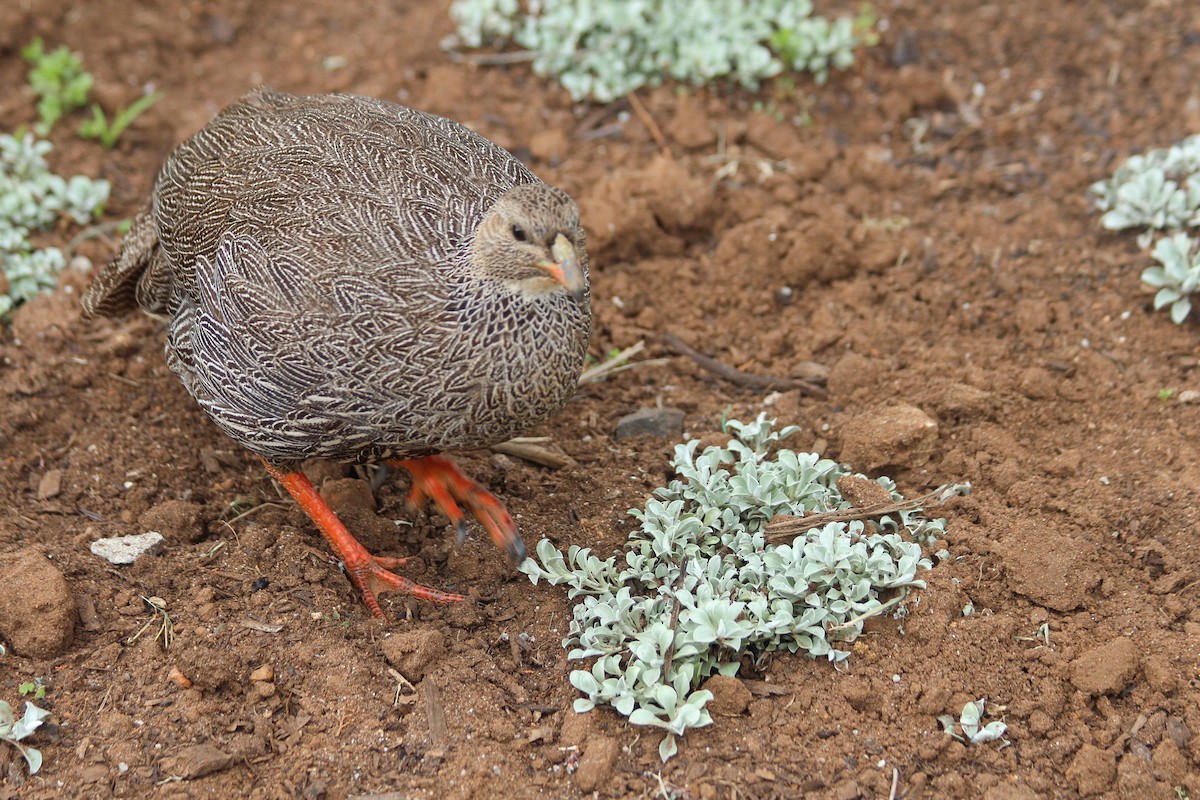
(743, 378)
(492, 59)
(670, 654)
(530, 451)
(655, 133)
(786, 526)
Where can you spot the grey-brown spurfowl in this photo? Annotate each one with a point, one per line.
(352, 280)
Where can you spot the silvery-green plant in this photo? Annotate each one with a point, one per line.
(32, 198)
(13, 730)
(1177, 275)
(604, 50)
(967, 728)
(1159, 191)
(699, 588)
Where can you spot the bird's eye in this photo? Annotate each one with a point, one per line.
(519, 233)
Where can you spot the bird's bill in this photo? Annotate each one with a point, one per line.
(565, 268)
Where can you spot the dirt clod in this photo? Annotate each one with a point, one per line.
(597, 763)
(894, 436)
(730, 696)
(1107, 669)
(37, 609)
(414, 652)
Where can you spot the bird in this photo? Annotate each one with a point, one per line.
(348, 279)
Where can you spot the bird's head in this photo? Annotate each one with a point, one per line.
(530, 240)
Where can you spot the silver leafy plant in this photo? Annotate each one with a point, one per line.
(604, 50)
(1159, 191)
(699, 589)
(967, 727)
(13, 730)
(32, 198)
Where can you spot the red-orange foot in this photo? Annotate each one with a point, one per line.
(438, 479)
(369, 573)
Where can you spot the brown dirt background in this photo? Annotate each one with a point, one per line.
(933, 226)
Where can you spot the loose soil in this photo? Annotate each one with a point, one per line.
(926, 211)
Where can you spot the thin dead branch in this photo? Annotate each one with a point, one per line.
(735, 375)
(785, 527)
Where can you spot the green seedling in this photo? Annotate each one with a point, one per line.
(967, 727)
(60, 81)
(700, 589)
(98, 127)
(1165, 394)
(13, 730)
(36, 687)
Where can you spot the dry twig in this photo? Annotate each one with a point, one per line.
(735, 375)
(784, 526)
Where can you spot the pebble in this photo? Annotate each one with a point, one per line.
(650, 421)
(127, 549)
(37, 609)
(1107, 669)
(414, 652)
(50, 485)
(896, 436)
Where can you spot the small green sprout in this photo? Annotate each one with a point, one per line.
(60, 81)
(98, 127)
(967, 728)
(1165, 394)
(36, 687)
(13, 730)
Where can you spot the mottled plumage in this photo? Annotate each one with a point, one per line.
(314, 257)
(352, 280)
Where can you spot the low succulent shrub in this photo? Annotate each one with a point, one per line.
(1159, 192)
(604, 50)
(32, 198)
(699, 588)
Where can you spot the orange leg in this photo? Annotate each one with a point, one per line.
(369, 573)
(438, 479)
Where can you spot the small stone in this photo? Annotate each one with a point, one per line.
(196, 761)
(1188, 396)
(597, 763)
(730, 696)
(37, 609)
(263, 673)
(1107, 669)
(1092, 770)
(650, 421)
(50, 485)
(1178, 732)
(413, 652)
(895, 436)
(127, 549)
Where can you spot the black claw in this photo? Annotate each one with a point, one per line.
(516, 551)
